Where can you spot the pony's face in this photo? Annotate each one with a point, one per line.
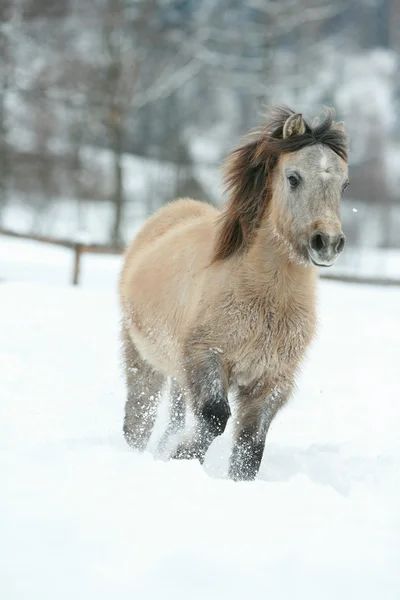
(307, 187)
(292, 175)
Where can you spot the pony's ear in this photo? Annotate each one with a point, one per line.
(339, 126)
(294, 125)
(246, 173)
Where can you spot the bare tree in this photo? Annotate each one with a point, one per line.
(153, 77)
(5, 84)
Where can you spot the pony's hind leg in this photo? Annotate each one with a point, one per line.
(177, 416)
(144, 385)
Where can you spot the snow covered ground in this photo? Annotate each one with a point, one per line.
(83, 516)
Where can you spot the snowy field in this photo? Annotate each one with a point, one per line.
(83, 516)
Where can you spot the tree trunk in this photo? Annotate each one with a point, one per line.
(118, 195)
(4, 163)
(4, 156)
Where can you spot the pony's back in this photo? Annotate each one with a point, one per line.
(173, 215)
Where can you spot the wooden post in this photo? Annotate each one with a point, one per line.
(77, 263)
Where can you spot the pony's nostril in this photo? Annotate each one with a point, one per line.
(340, 244)
(317, 242)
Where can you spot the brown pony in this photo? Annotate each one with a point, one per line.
(224, 300)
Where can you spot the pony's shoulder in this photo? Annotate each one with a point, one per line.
(170, 218)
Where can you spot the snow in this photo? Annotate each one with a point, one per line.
(38, 262)
(82, 515)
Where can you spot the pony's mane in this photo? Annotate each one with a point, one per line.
(247, 170)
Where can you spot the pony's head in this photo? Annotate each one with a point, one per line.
(289, 175)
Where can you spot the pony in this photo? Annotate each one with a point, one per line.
(224, 300)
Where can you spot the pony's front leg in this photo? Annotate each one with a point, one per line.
(208, 386)
(256, 409)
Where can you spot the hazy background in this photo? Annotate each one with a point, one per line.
(110, 108)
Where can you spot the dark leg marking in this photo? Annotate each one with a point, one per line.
(207, 384)
(215, 412)
(254, 419)
(144, 389)
(246, 457)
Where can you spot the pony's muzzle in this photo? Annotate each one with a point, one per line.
(324, 248)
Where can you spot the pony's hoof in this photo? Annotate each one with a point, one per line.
(242, 474)
(134, 441)
(188, 452)
(216, 413)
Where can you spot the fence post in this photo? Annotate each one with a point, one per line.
(77, 263)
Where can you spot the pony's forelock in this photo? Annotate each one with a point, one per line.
(323, 131)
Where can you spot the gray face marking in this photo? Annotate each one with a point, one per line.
(308, 187)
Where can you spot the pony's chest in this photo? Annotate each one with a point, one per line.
(275, 343)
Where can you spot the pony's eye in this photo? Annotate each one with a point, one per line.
(293, 180)
(345, 185)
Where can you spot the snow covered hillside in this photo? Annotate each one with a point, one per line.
(83, 516)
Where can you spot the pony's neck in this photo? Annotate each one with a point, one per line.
(272, 258)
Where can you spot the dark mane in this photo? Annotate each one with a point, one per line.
(248, 168)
